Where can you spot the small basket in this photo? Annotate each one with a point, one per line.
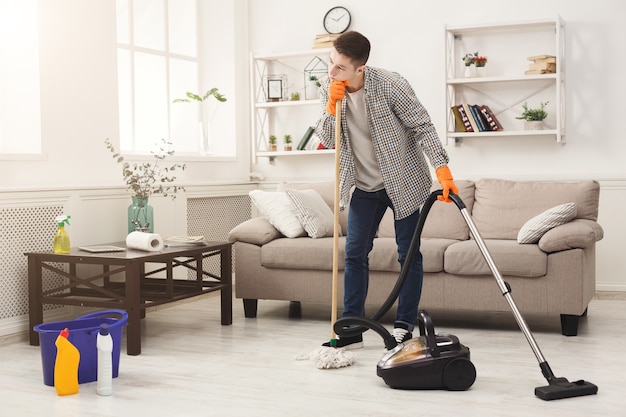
(83, 332)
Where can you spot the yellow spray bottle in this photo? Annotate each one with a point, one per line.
(61, 241)
(66, 365)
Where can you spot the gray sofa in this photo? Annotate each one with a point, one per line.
(554, 276)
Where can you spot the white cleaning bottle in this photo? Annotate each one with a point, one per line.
(104, 343)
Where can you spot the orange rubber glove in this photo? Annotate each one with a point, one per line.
(444, 176)
(336, 91)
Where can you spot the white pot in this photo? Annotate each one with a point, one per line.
(470, 71)
(533, 125)
(481, 71)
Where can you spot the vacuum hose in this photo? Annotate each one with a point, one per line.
(345, 326)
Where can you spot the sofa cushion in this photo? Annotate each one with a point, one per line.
(501, 207)
(579, 233)
(536, 227)
(314, 214)
(511, 258)
(302, 253)
(444, 219)
(279, 211)
(305, 253)
(257, 231)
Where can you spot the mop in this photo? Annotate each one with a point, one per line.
(332, 357)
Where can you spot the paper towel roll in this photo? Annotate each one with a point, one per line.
(151, 242)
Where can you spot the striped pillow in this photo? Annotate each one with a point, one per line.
(314, 214)
(534, 228)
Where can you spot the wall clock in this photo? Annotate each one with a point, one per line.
(337, 20)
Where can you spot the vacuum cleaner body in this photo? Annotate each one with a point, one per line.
(416, 365)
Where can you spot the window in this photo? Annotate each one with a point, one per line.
(20, 116)
(157, 63)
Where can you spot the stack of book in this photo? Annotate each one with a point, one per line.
(475, 118)
(541, 64)
(324, 41)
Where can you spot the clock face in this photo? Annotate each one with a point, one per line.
(337, 20)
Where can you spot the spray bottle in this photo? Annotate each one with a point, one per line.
(66, 365)
(104, 343)
(61, 241)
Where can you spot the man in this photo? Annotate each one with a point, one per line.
(385, 136)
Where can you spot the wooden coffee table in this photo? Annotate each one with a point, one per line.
(124, 283)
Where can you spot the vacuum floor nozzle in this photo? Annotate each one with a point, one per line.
(561, 388)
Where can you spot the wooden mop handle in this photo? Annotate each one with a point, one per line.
(333, 317)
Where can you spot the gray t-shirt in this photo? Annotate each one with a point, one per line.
(366, 169)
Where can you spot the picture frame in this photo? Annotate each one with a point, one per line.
(274, 89)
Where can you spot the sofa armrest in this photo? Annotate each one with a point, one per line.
(579, 233)
(257, 231)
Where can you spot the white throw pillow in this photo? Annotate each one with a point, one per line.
(279, 211)
(312, 211)
(534, 228)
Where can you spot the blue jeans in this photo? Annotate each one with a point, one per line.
(366, 212)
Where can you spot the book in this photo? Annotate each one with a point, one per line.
(324, 40)
(551, 67)
(541, 57)
(102, 248)
(458, 122)
(184, 241)
(471, 118)
(312, 143)
(492, 119)
(482, 127)
(305, 138)
(537, 71)
(549, 60)
(464, 118)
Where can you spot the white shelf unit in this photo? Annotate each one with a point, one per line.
(505, 88)
(284, 116)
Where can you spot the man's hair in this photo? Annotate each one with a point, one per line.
(353, 45)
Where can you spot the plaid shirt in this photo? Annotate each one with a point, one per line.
(402, 135)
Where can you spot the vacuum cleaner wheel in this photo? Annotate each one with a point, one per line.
(459, 374)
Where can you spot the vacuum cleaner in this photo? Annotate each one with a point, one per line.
(433, 361)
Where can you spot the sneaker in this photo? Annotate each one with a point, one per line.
(401, 332)
(348, 343)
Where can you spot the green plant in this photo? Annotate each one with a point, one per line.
(145, 179)
(272, 140)
(315, 80)
(287, 139)
(295, 96)
(471, 59)
(531, 115)
(213, 92)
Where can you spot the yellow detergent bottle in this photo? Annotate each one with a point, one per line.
(61, 241)
(66, 365)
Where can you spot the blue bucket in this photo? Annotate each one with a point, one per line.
(83, 334)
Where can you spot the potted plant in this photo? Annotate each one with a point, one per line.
(534, 117)
(295, 96)
(145, 179)
(312, 90)
(205, 119)
(272, 143)
(480, 62)
(287, 145)
(469, 61)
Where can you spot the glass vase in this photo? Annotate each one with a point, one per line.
(140, 215)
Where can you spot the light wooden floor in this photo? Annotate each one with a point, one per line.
(193, 366)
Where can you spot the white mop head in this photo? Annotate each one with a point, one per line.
(329, 357)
